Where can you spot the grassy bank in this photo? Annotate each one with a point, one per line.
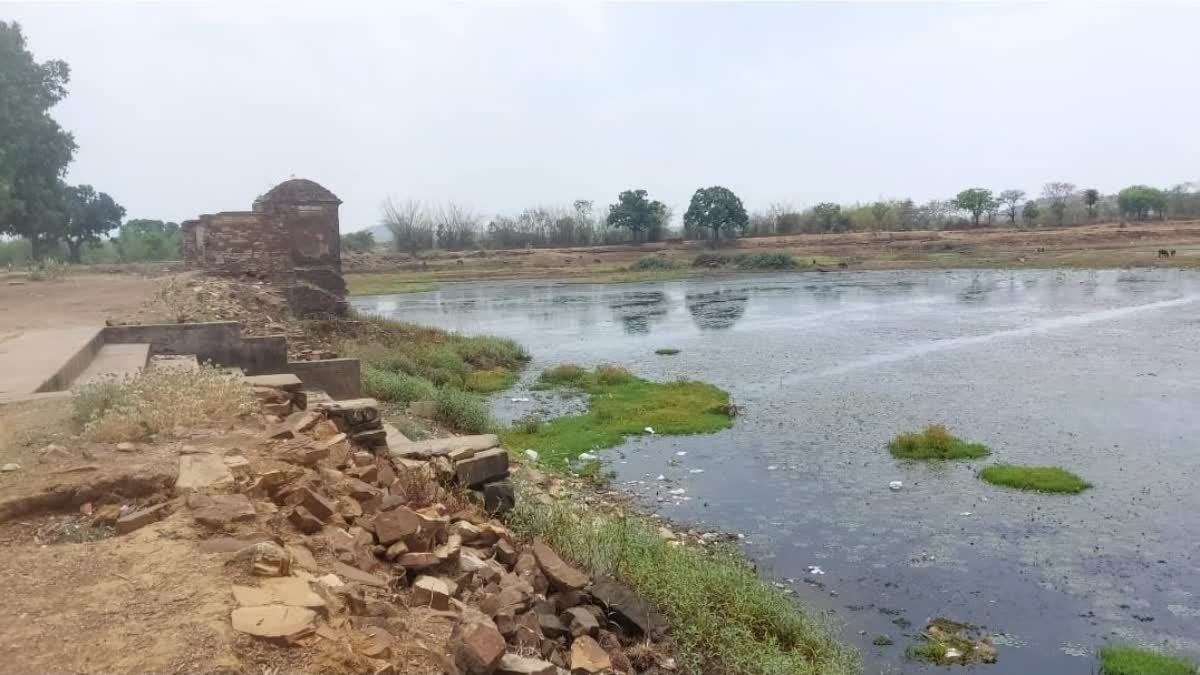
(386, 284)
(402, 363)
(620, 405)
(935, 442)
(723, 617)
(1126, 660)
(1038, 478)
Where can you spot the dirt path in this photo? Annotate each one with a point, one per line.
(74, 300)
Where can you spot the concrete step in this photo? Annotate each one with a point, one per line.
(115, 361)
(180, 362)
(44, 360)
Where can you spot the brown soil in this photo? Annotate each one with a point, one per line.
(73, 300)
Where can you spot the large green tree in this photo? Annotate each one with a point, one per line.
(828, 215)
(975, 201)
(88, 214)
(1139, 201)
(34, 149)
(1031, 212)
(1091, 197)
(638, 214)
(718, 209)
(143, 239)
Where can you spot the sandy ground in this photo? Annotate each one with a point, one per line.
(74, 300)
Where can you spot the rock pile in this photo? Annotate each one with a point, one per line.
(375, 532)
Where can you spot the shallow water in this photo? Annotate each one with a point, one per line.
(1093, 371)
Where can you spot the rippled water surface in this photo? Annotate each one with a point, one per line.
(1096, 371)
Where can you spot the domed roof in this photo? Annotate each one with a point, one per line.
(299, 190)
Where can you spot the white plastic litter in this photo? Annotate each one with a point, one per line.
(532, 454)
(965, 513)
(587, 457)
(661, 477)
(696, 471)
(678, 491)
(813, 569)
(519, 400)
(772, 467)
(896, 485)
(681, 453)
(650, 430)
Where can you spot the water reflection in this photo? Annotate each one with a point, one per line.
(638, 310)
(717, 310)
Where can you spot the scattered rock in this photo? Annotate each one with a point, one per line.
(274, 621)
(563, 576)
(318, 506)
(478, 648)
(356, 575)
(220, 510)
(141, 518)
(201, 470)
(126, 447)
(587, 656)
(628, 607)
(499, 497)
(484, 467)
(581, 622)
(512, 664)
(396, 524)
(292, 591)
(305, 521)
(106, 515)
(430, 592)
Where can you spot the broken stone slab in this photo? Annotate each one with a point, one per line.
(430, 592)
(437, 447)
(561, 575)
(483, 467)
(220, 510)
(354, 574)
(274, 621)
(396, 524)
(370, 438)
(292, 591)
(395, 439)
(359, 414)
(499, 497)
(305, 521)
(320, 507)
(306, 455)
(478, 648)
(277, 409)
(588, 657)
(281, 381)
(418, 561)
(581, 622)
(202, 470)
(515, 664)
(141, 518)
(628, 608)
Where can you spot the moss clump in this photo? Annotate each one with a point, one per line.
(935, 442)
(1127, 660)
(621, 405)
(1039, 478)
(666, 351)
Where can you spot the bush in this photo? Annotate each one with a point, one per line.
(935, 443)
(462, 411)
(1039, 478)
(767, 261)
(609, 375)
(712, 260)
(396, 387)
(159, 400)
(566, 373)
(652, 263)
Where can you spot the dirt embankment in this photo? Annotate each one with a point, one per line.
(1099, 245)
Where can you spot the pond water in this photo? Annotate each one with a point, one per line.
(1093, 371)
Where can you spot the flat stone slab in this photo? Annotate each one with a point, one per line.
(274, 621)
(292, 591)
(284, 381)
(441, 446)
(201, 470)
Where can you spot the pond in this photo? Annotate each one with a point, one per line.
(1095, 371)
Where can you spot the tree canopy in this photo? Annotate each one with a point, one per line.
(1031, 212)
(718, 209)
(1058, 194)
(1011, 199)
(88, 214)
(1139, 201)
(975, 201)
(636, 213)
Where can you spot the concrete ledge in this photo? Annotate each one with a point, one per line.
(340, 378)
(217, 342)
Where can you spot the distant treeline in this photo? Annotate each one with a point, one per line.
(717, 213)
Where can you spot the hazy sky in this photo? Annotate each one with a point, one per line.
(188, 108)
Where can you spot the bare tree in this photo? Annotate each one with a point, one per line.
(409, 224)
(456, 226)
(1011, 200)
(1058, 195)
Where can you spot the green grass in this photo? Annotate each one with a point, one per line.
(387, 385)
(1039, 478)
(620, 405)
(385, 284)
(652, 263)
(1127, 660)
(723, 618)
(767, 261)
(634, 276)
(935, 443)
(927, 651)
(462, 411)
(666, 351)
(489, 381)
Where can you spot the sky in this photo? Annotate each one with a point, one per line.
(185, 108)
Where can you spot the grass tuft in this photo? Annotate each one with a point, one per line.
(621, 405)
(666, 351)
(385, 284)
(387, 385)
(652, 263)
(935, 442)
(767, 261)
(723, 617)
(1128, 660)
(1039, 478)
(462, 411)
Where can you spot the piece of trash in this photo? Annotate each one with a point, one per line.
(650, 430)
(681, 453)
(813, 569)
(696, 471)
(678, 491)
(896, 485)
(10, 467)
(587, 457)
(965, 513)
(661, 477)
(519, 399)
(532, 454)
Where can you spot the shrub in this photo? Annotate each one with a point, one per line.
(767, 261)
(1127, 660)
(566, 373)
(935, 443)
(609, 375)
(396, 387)
(712, 260)
(462, 411)
(159, 400)
(1039, 478)
(488, 381)
(652, 263)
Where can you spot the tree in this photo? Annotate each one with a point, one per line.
(634, 212)
(718, 209)
(828, 215)
(34, 149)
(88, 215)
(358, 242)
(1091, 197)
(1011, 199)
(411, 228)
(1058, 195)
(879, 211)
(975, 201)
(144, 239)
(1031, 212)
(1140, 201)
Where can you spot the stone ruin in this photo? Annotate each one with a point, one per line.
(289, 237)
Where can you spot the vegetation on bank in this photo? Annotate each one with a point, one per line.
(1039, 478)
(402, 363)
(723, 617)
(666, 351)
(385, 284)
(935, 442)
(1128, 660)
(620, 405)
